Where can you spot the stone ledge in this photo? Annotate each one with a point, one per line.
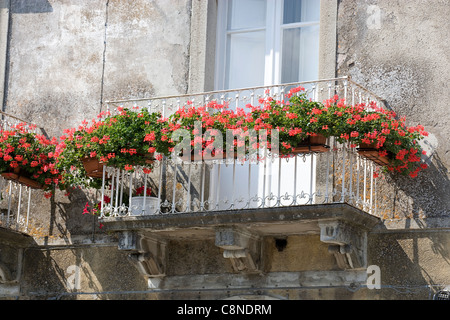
(15, 238)
(271, 280)
(266, 221)
(427, 224)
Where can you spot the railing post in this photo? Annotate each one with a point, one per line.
(358, 169)
(161, 164)
(19, 206)
(145, 194)
(188, 193)
(279, 183)
(130, 188)
(295, 180)
(343, 172)
(102, 201)
(121, 192)
(350, 196)
(28, 209)
(174, 184)
(9, 204)
(202, 188)
(371, 188)
(311, 191)
(327, 178)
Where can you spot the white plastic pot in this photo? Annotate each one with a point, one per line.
(137, 205)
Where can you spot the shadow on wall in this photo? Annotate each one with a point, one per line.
(427, 195)
(413, 264)
(27, 6)
(417, 261)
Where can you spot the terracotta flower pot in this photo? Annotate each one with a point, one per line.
(149, 158)
(370, 152)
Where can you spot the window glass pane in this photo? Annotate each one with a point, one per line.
(301, 11)
(300, 54)
(246, 14)
(245, 60)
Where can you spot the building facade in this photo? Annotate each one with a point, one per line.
(65, 61)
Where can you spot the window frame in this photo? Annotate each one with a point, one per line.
(204, 52)
(274, 29)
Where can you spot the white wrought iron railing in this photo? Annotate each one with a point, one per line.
(339, 175)
(317, 90)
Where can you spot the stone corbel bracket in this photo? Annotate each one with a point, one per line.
(148, 254)
(348, 243)
(5, 274)
(241, 247)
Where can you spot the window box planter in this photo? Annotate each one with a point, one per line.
(312, 144)
(20, 177)
(94, 167)
(370, 152)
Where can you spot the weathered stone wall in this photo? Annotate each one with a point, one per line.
(54, 75)
(397, 51)
(67, 57)
(413, 264)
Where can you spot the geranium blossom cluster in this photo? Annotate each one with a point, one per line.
(24, 152)
(213, 129)
(124, 140)
(282, 125)
(371, 125)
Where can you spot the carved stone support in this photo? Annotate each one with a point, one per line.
(242, 248)
(5, 274)
(147, 253)
(346, 242)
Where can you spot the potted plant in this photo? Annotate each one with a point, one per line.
(30, 159)
(378, 135)
(143, 205)
(209, 129)
(70, 161)
(124, 140)
(296, 120)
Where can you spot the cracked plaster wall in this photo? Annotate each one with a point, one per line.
(66, 57)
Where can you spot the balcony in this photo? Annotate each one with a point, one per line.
(336, 173)
(330, 191)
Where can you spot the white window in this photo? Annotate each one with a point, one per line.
(264, 42)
